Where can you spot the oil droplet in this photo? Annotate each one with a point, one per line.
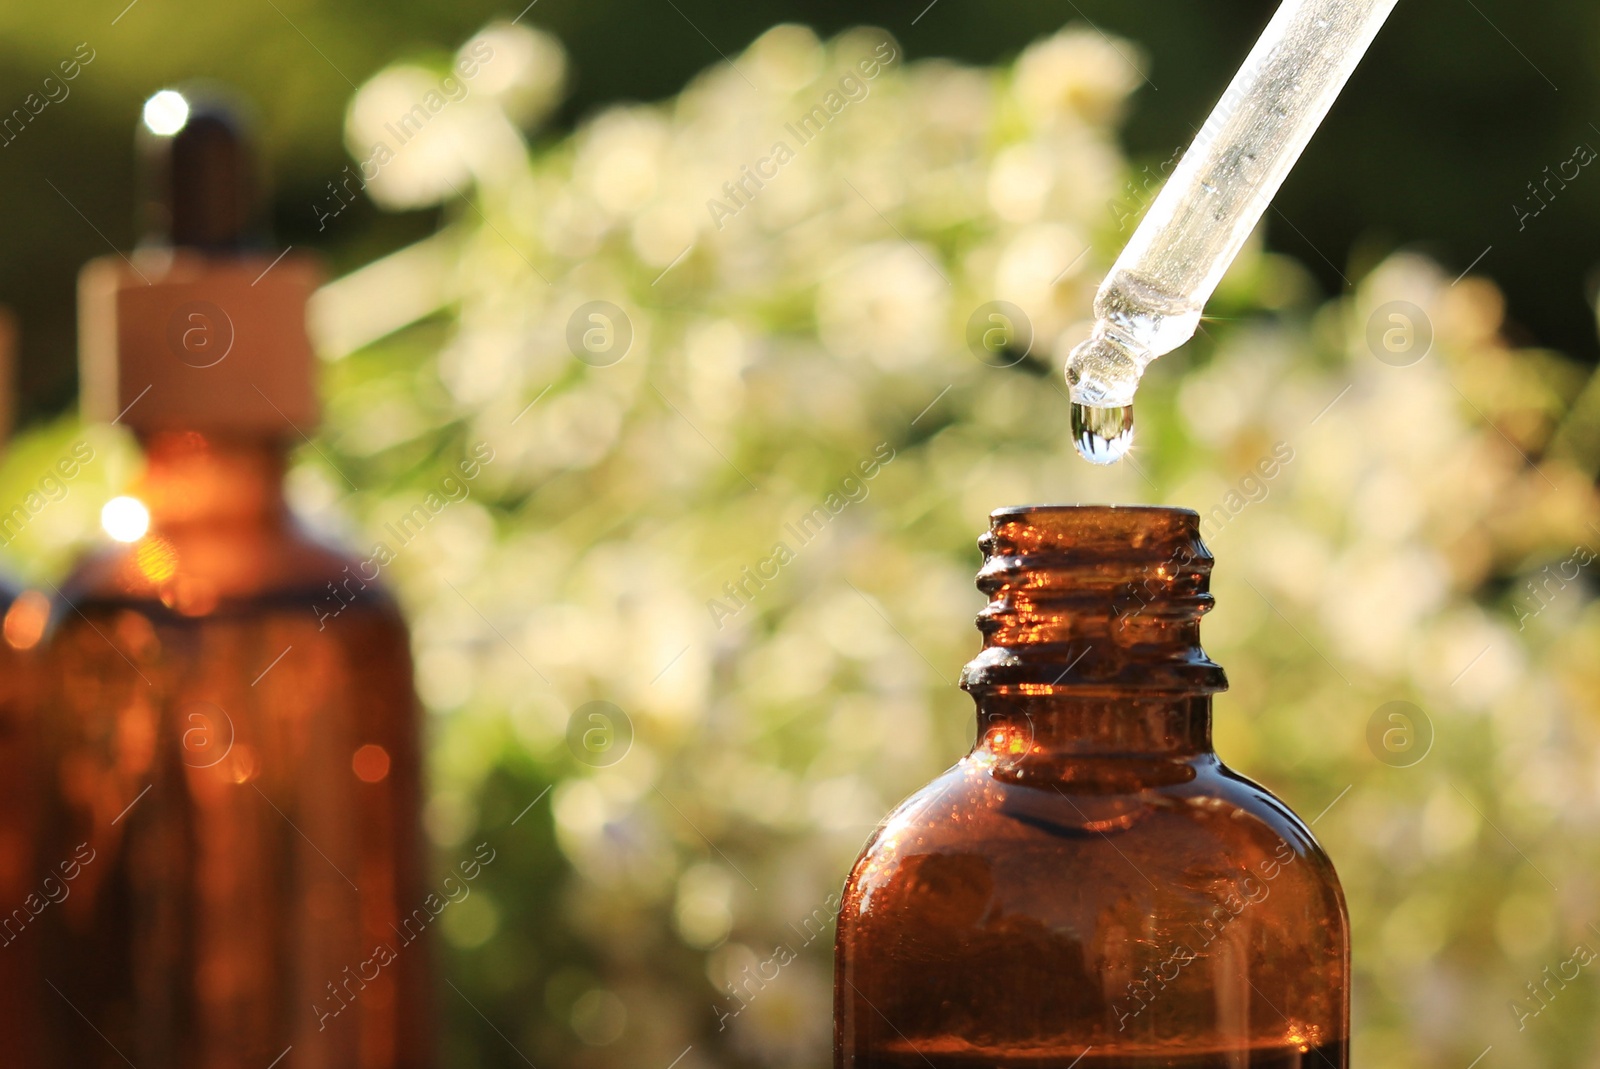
(1102, 435)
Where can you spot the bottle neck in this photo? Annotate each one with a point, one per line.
(1091, 638)
(194, 479)
(1016, 727)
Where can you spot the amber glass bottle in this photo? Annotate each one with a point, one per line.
(25, 892)
(241, 766)
(1090, 885)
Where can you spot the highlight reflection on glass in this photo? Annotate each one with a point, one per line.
(125, 519)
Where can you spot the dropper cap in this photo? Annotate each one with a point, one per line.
(200, 179)
(201, 328)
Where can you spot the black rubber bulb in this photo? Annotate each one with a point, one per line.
(200, 179)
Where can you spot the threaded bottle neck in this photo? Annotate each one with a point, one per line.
(1093, 600)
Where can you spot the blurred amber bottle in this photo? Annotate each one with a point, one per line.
(1091, 886)
(25, 891)
(242, 764)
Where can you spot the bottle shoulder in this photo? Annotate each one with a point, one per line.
(1117, 904)
(1182, 823)
(194, 572)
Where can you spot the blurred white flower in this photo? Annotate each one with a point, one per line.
(703, 911)
(784, 59)
(523, 68)
(1078, 74)
(885, 304)
(1019, 182)
(1030, 268)
(619, 157)
(410, 146)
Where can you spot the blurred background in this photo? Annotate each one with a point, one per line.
(557, 264)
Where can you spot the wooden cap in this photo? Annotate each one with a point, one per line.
(175, 339)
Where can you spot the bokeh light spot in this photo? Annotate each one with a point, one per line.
(166, 112)
(25, 620)
(125, 518)
(371, 763)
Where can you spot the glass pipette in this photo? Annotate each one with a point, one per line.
(1151, 301)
